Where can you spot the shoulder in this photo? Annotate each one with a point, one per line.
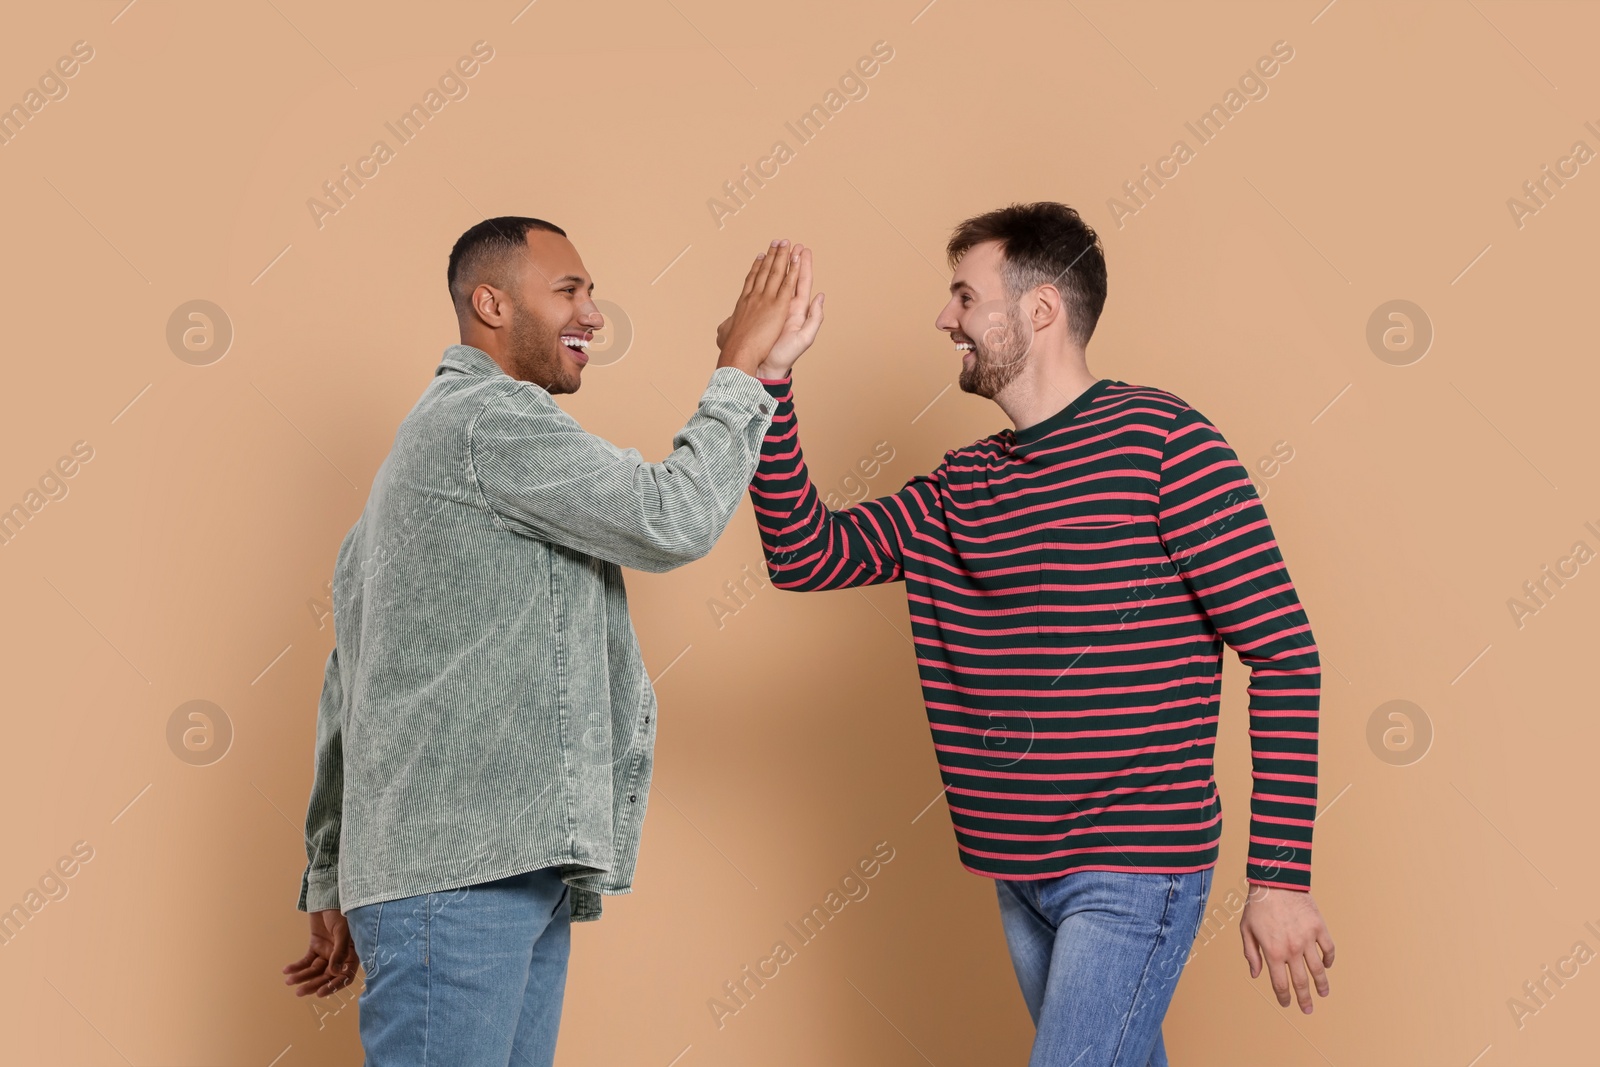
(983, 450)
(1161, 409)
(503, 405)
(1152, 401)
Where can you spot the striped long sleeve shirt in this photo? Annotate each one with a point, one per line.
(1070, 587)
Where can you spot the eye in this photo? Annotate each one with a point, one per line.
(570, 289)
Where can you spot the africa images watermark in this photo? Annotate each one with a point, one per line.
(52, 88)
(452, 85)
(852, 86)
(1206, 128)
(1541, 190)
(52, 887)
(1538, 592)
(752, 978)
(53, 485)
(1537, 994)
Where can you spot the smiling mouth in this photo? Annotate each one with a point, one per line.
(577, 346)
(964, 348)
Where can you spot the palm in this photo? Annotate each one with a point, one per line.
(800, 324)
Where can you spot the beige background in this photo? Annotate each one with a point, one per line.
(189, 557)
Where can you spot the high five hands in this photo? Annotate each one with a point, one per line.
(776, 318)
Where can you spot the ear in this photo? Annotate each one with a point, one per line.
(1047, 307)
(490, 306)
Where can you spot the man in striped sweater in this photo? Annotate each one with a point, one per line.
(1071, 582)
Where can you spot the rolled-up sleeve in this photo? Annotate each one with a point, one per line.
(544, 476)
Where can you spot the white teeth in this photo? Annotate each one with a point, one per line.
(575, 342)
(963, 346)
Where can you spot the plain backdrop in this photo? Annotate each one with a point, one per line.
(188, 559)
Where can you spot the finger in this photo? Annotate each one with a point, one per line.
(1252, 951)
(1278, 971)
(339, 958)
(317, 967)
(302, 962)
(1318, 975)
(778, 257)
(343, 946)
(803, 289)
(1325, 943)
(750, 278)
(310, 984)
(312, 961)
(800, 302)
(813, 323)
(1302, 984)
(305, 975)
(797, 282)
(778, 263)
(764, 270)
(783, 287)
(349, 960)
(799, 261)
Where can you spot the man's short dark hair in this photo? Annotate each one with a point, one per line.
(487, 253)
(1043, 244)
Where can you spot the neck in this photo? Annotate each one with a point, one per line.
(1049, 382)
(488, 341)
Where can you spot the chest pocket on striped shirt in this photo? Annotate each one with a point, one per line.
(1095, 578)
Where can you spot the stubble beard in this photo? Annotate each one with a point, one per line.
(533, 349)
(995, 367)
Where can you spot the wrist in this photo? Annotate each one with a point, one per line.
(740, 361)
(772, 374)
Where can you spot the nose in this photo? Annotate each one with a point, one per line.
(589, 317)
(947, 320)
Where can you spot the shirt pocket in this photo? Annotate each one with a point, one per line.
(1094, 581)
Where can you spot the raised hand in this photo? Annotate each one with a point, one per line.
(763, 308)
(799, 327)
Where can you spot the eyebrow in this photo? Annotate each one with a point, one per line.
(961, 285)
(565, 278)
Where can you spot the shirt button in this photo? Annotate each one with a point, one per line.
(765, 409)
(632, 797)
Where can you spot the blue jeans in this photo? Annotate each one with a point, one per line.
(474, 975)
(1098, 955)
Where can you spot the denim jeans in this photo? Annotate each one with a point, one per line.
(474, 975)
(1098, 955)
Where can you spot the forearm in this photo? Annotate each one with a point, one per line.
(808, 547)
(319, 885)
(1283, 752)
(684, 503)
(543, 476)
(1250, 600)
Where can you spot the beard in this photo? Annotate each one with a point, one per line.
(998, 356)
(534, 349)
